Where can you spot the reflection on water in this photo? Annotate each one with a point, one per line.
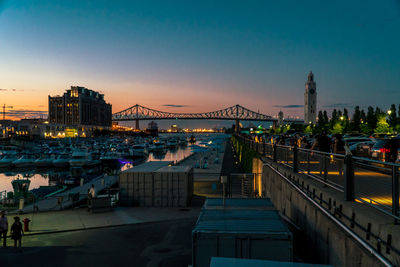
(53, 176)
(170, 155)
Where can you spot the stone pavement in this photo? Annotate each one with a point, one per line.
(164, 243)
(81, 219)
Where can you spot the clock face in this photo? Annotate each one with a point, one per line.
(312, 91)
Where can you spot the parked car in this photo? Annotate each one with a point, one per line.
(378, 135)
(355, 140)
(362, 149)
(398, 156)
(386, 150)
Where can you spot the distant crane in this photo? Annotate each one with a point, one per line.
(4, 110)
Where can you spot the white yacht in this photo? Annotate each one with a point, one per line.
(79, 159)
(157, 147)
(109, 158)
(172, 143)
(24, 161)
(82, 158)
(139, 151)
(7, 160)
(183, 141)
(61, 161)
(45, 160)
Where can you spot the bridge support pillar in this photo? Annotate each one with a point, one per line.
(237, 127)
(137, 125)
(274, 125)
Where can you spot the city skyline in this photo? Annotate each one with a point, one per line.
(201, 56)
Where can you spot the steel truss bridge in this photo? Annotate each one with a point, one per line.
(236, 113)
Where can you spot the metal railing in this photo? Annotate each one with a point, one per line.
(371, 182)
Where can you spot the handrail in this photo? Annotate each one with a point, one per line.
(348, 175)
(345, 228)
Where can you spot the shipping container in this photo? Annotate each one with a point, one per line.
(131, 181)
(240, 233)
(232, 262)
(155, 184)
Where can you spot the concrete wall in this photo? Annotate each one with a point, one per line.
(331, 244)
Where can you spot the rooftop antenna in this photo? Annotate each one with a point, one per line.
(4, 111)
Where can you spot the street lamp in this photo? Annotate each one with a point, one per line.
(341, 118)
(389, 112)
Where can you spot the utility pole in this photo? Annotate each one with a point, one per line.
(4, 111)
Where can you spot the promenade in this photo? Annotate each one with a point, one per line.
(81, 219)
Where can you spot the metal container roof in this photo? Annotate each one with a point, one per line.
(231, 221)
(171, 169)
(150, 166)
(234, 262)
(238, 203)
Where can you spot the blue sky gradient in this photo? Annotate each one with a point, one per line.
(203, 55)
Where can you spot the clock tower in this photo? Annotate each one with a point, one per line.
(310, 100)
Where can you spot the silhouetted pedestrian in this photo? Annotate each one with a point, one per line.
(16, 232)
(91, 195)
(3, 227)
(92, 191)
(323, 143)
(339, 148)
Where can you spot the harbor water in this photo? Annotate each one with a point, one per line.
(56, 176)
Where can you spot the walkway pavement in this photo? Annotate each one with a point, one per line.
(211, 173)
(81, 219)
(166, 243)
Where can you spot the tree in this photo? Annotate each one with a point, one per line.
(345, 120)
(321, 122)
(308, 129)
(371, 118)
(399, 110)
(363, 116)
(392, 116)
(382, 125)
(355, 122)
(334, 118)
(337, 128)
(326, 119)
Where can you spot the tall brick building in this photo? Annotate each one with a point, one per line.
(80, 106)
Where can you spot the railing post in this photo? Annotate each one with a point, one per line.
(274, 153)
(349, 178)
(325, 162)
(263, 144)
(395, 193)
(295, 161)
(308, 162)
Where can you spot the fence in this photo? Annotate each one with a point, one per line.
(371, 182)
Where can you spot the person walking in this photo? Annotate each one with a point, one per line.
(17, 232)
(323, 143)
(92, 191)
(91, 195)
(339, 148)
(3, 227)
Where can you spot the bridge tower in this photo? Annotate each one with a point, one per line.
(280, 118)
(310, 100)
(237, 126)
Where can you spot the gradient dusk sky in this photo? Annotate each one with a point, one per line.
(200, 55)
